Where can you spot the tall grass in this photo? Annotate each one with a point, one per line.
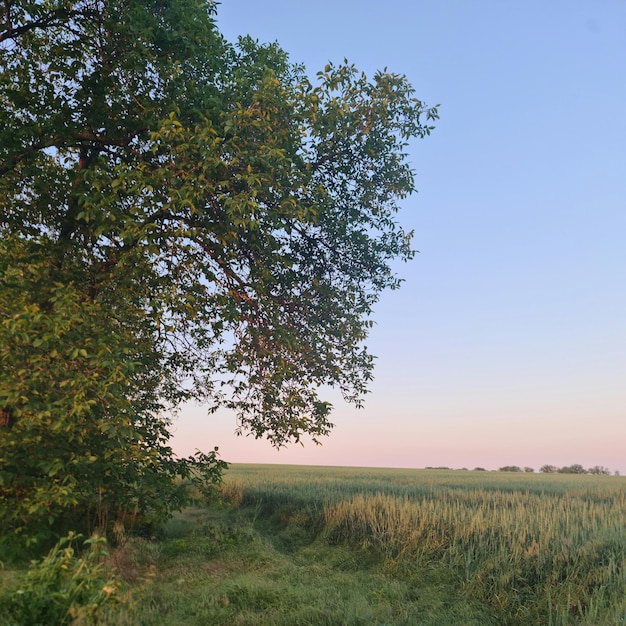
(536, 549)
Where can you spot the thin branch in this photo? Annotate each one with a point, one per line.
(76, 140)
(54, 18)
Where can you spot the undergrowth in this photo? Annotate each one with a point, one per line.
(73, 584)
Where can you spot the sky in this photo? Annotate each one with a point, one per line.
(506, 344)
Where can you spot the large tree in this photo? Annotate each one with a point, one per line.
(180, 218)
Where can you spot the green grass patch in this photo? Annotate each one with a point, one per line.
(335, 546)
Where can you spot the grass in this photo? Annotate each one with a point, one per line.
(234, 567)
(317, 545)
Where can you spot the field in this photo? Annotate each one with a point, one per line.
(317, 545)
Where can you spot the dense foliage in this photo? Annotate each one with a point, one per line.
(180, 218)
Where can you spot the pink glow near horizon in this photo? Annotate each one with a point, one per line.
(364, 439)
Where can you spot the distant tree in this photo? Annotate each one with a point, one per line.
(548, 469)
(510, 468)
(599, 470)
(529, 470)
(572, 469)
(480, 469)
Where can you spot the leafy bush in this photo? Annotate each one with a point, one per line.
(65, 587)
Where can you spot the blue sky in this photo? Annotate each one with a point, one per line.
(507, 342)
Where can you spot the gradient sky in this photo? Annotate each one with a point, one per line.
(507, 343)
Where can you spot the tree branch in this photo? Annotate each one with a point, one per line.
(54, 18)
(76, 140)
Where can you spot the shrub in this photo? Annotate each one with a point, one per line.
(65, 587)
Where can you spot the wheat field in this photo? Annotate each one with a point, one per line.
(533, 548)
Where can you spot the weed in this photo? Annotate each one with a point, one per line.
(66, 587)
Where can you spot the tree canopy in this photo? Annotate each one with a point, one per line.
(180, 218)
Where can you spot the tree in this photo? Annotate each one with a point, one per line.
(510, 468)
(180, 218)
(548, 469)
(572, 469)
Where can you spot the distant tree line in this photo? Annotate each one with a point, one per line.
(597, 470)
(576, 468)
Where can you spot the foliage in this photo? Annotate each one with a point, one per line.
(79, 441)
(576, 468)
(78, 438)
(180, 218)
(572, 469)
(65, 587)
(206, 473)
